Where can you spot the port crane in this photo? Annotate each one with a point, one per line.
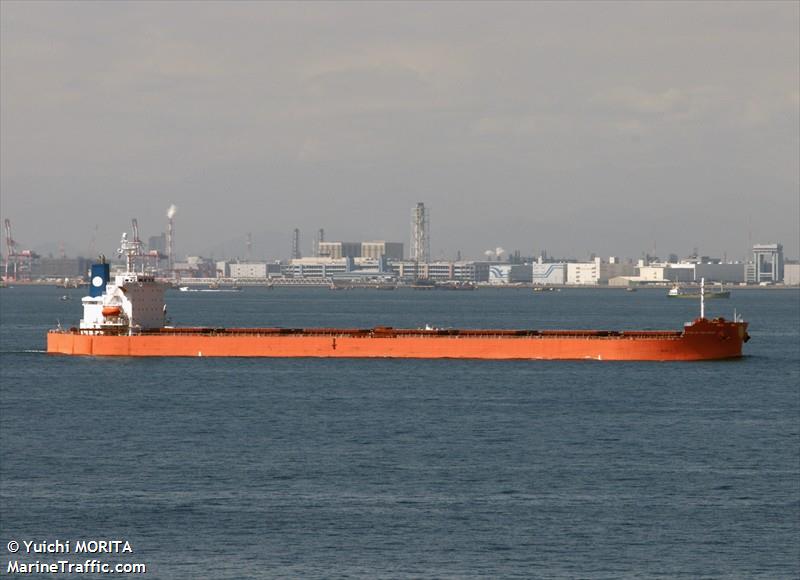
(18, 263)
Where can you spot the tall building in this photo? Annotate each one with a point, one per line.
(420, 234)
(767, 264)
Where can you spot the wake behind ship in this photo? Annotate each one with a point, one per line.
(127, 318)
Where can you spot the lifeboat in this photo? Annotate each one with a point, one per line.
(111, 311)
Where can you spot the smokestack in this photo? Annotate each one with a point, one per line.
(171, 211)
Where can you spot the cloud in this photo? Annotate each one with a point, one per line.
(630, 99)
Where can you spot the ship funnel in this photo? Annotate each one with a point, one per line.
(100, 277)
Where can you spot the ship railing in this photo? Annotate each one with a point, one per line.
(388, 332)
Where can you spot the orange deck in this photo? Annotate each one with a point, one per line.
(703, 340)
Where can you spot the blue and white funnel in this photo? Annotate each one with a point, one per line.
(101, 274)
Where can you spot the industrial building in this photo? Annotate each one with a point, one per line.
(688, 272)
(732, 273)
(500, 274)
(195, 267)
(459, 271)
(323, 267)
(60, 268)
(320, 267)
(338, 250)
(372, 249)
(549, 274)
(463, 271)
(378, 249)
(247, 270)
(596, 272)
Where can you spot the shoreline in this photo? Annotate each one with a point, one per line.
(312, 283)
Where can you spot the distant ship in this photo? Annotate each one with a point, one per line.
(128, 318)
(685, 292)
(210, 289)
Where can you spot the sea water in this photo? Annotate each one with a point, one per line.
(258, 468)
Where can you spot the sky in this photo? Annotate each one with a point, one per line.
(577, 127)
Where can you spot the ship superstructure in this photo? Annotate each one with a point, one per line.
(133, 303)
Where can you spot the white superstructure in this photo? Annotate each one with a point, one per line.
(134, 302)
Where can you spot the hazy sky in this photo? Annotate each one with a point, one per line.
(576, 127)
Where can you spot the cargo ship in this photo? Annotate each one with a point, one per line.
(128, 318)
(694, 293)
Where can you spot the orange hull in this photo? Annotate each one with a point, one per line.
(702, 340)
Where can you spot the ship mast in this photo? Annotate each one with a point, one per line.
(131, 249)
(702, 297)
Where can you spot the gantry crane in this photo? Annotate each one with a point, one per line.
(18, 263)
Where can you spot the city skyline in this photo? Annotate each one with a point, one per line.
(577, 128)
(248, 249)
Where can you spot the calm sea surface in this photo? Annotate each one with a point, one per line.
(226, 468)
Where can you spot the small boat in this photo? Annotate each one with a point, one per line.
(213, 288)
(678, 291)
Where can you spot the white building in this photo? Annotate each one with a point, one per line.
(653, 274)
(461, 271)
(464, 271)
(692, 272)
(583, 273)
(549, 274)
(320, 267)
(791, 274)
(509, 274)
(247, 270)
(596, 272)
